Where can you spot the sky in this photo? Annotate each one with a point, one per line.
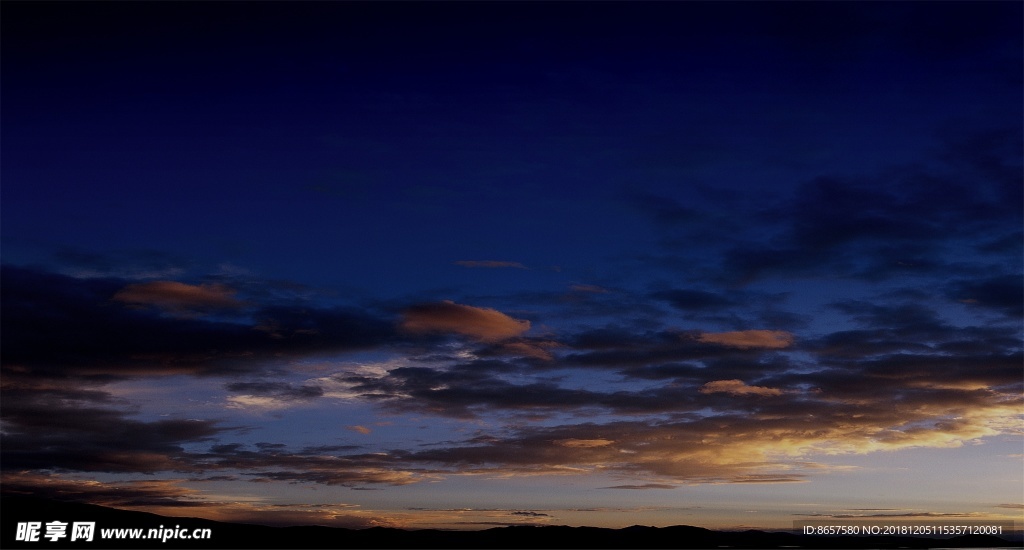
(465, 265)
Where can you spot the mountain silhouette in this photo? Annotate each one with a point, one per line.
(15, 509)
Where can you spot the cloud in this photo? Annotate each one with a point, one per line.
(481, 323)
(643, 486)
(268, 396)
(737, 387)
(678, 451)
(489, 264)
(614, 347)
(899, 377)
(860, 405)
(535, 348)
(56, 325)
(274, 462)
(54, 429)
(257, 403)
(1003, 293)
(360, 429)
(124, 264)
(944, 386)
(690, 300)
(584, 443)
(169, 498)
(851, 414)
(745, 339)
(908, 515)
(767, 478)
(278, 390)
(464, 391)
(528, 349)
(178, 297)
(589, 289)
(902, 220)
(126, 494)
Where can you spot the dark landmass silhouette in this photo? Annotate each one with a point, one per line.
(20, 508)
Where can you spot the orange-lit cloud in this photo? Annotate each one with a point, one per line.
(714, 415)
(489, 264)
(584, 443)
(737, 387)
(771, 445)
(169, 498)
(538, 349)
(160, 492)
(642, 486)
(746, 339)
(178, 297)
(476, 322)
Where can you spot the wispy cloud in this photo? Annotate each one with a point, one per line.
(101, 336)
(584, 443)
(745, 339)
(737, 387)
(492, 264)
(178, 297)
(591, 289)
(269, 396)
(171, 498)
(643, 486)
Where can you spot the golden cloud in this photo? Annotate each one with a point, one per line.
(777, 445)
(535, 349)
(737, 387)
(168, 497)
(178, 297)
(584, 443)
(745, 339)
(476, 322)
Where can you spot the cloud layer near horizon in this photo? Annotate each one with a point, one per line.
(724, 407)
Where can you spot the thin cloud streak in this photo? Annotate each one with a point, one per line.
(746, 339)
(178, 297)
(492, 264)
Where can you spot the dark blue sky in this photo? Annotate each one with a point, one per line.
(736, 251)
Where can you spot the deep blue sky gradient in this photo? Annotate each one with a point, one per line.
(716, 256)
